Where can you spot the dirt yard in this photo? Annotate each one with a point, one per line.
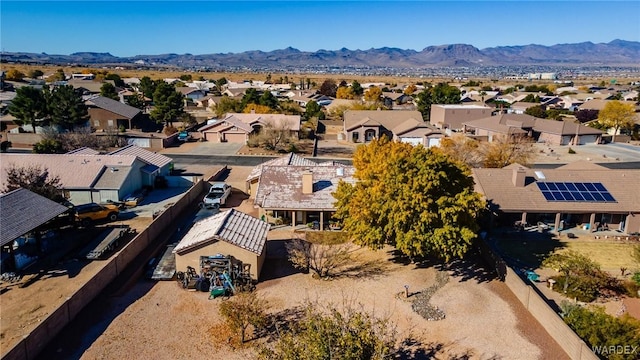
(161, 320)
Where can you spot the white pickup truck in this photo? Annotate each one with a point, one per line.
(217, 196)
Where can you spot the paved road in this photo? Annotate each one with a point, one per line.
(231, 160)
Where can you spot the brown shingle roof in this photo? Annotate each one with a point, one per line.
(497, 187)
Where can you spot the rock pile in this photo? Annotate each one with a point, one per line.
(421, 303)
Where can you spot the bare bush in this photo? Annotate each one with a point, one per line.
(324, 260)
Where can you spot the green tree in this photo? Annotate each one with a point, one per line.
(109, 91)
(34, 178)
(267, 99)
(136, 100)
(580, 277)
(147, 87)
(168, 104)
(220, 82)
(412, 197)
(536, 111)
(601, 330)
(242, 311)
(35, 73)
(313, 110)
(115, 78)
(531, 98)
(186, 77)
(250, 96)
(333, 333)
(48, 146)
(617, 115)
(439, 94)
(28, 106)
(66, 107)
(228, 105)
(357, 88)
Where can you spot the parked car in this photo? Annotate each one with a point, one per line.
(88, 213)
(217, 196)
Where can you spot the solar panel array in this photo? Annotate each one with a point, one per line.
(575, 191)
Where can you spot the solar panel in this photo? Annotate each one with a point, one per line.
(575, 192)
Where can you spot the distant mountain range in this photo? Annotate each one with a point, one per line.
(614, 53)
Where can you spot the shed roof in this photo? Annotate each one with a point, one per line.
(234, 227)
(23, 211)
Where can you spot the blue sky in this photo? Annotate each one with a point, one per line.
(126, 28)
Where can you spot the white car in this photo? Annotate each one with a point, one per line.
(217, 196)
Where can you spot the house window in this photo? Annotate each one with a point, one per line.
(96, 123)
(355, 136)
(110, 123)
(369, 135)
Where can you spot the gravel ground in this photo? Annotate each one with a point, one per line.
(162, 321)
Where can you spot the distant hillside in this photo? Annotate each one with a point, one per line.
(614, 53)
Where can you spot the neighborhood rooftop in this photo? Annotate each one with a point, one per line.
(234, 227)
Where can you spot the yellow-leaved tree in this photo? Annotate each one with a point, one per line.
(373, 94)
(257, 109)
(345, 92)
(414, 198)
(617, 115)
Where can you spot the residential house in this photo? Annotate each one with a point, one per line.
(105, 113)
(542, 130)
(577, 194)
(23, 229)
(84, 178)
(391, 99)
(228, 233)
(155, 164)
(208, 102)
(235, 127)
(300, 194)
(291, 159)
(83, 76)
(599, 104)
(234, 92)
(452, 116)
(86, 87)
(402, 125)
(191, 93)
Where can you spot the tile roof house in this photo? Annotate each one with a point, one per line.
(519, 194)
(24, 215)
(541, 130)
(160, 163)
(300, 194)
(229, 232)
(105, 113)
(401, 125)
(84, 178)
(599, 104)
(235, 127)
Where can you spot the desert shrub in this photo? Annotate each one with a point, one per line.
(571, 151)
(242, 311)
(630, 287)
(636, 277)
(324, 260)
(254, 141)
(600, 330)
(169, 130)
(326, 332)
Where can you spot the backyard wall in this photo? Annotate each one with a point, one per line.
(31, 345)
(536, 304)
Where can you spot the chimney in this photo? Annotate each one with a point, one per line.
(307, 182)
(519, 176)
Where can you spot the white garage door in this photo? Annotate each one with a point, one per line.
(411, 140)
(434, 142)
